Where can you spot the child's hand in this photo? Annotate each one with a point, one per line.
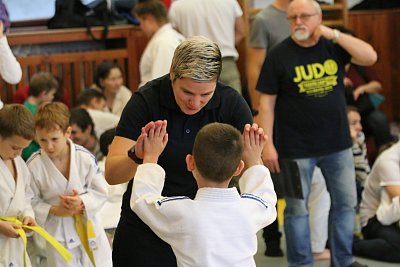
(155, 141)
(30, 222)
(254, 141)
(8, 229)
(72, 204)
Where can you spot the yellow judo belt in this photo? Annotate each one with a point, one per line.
(43, 233)
(87, 236)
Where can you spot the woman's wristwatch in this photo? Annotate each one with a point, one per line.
(132, 155)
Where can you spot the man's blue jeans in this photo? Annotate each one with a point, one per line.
(338, 170)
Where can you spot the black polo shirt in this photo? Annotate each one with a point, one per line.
(156, 101)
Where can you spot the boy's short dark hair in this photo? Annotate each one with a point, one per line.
(106, 139)
(87, 95)
(82, 119)
(217, 151)
(15, 119)
(155, 8)
(52, 114)
(42, 82)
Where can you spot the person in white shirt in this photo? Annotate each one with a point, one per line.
(218, 227)
(94, 102)
(109, 79)
(380, 209)
(221, 21)
(157, 56)
(10, 69)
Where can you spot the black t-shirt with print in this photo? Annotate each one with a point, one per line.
(310, 115)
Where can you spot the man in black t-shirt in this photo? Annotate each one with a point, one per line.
(188, 98)
(302, 109)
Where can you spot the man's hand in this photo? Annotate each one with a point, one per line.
(270, 157)
(8, 229)
(326, 32)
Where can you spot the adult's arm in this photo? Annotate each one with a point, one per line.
(240, 30)
(361, 52)
(265, 120)
(368, 88)
(255, 60)
(10, 69)
(393, 190)
(119, 167)
(389, 209)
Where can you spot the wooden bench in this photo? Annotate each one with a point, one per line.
(75, 69)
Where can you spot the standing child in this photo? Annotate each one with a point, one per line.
(69, 190)
(16, 132)
(218, 227)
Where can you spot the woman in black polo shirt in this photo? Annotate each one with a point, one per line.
(188, 98)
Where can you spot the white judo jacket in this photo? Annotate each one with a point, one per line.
(48, 184)
(15, 201)
(218, 227)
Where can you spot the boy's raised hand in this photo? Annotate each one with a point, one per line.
(155, 141)
(254, 141)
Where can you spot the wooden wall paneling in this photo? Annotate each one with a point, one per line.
(77, 80)
(76, 69)
(380, 29)
(88, 73)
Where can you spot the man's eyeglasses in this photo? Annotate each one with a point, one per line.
(302, 17)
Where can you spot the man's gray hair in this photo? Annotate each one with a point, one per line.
(197, 58)
(317, 6)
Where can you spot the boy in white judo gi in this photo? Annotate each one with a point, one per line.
(69, 190)
(16, 133)
(218, 227)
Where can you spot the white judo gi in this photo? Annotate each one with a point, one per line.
(15, 201)
(218, 227)
(48, 184)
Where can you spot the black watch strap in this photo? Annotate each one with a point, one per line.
(132, 155)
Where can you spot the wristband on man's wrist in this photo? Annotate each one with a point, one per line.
(132, 155)
(336, 33)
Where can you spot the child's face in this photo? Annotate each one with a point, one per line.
(79, 136)
(12, 147)
(53, 141)
(354, 123)
(48, 96)
(98, 103)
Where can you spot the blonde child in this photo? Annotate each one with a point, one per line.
(69, 190)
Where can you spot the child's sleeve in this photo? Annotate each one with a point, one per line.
(28, 210)
(146, 199)
(40, 207)
(388, 211)
(256, 181)
(96, 190)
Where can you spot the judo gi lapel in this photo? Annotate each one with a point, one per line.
(9, 188)
(75, 181)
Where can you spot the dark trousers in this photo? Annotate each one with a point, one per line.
(381, 242)
(137, 246)
(271, 233)
(376, 124)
